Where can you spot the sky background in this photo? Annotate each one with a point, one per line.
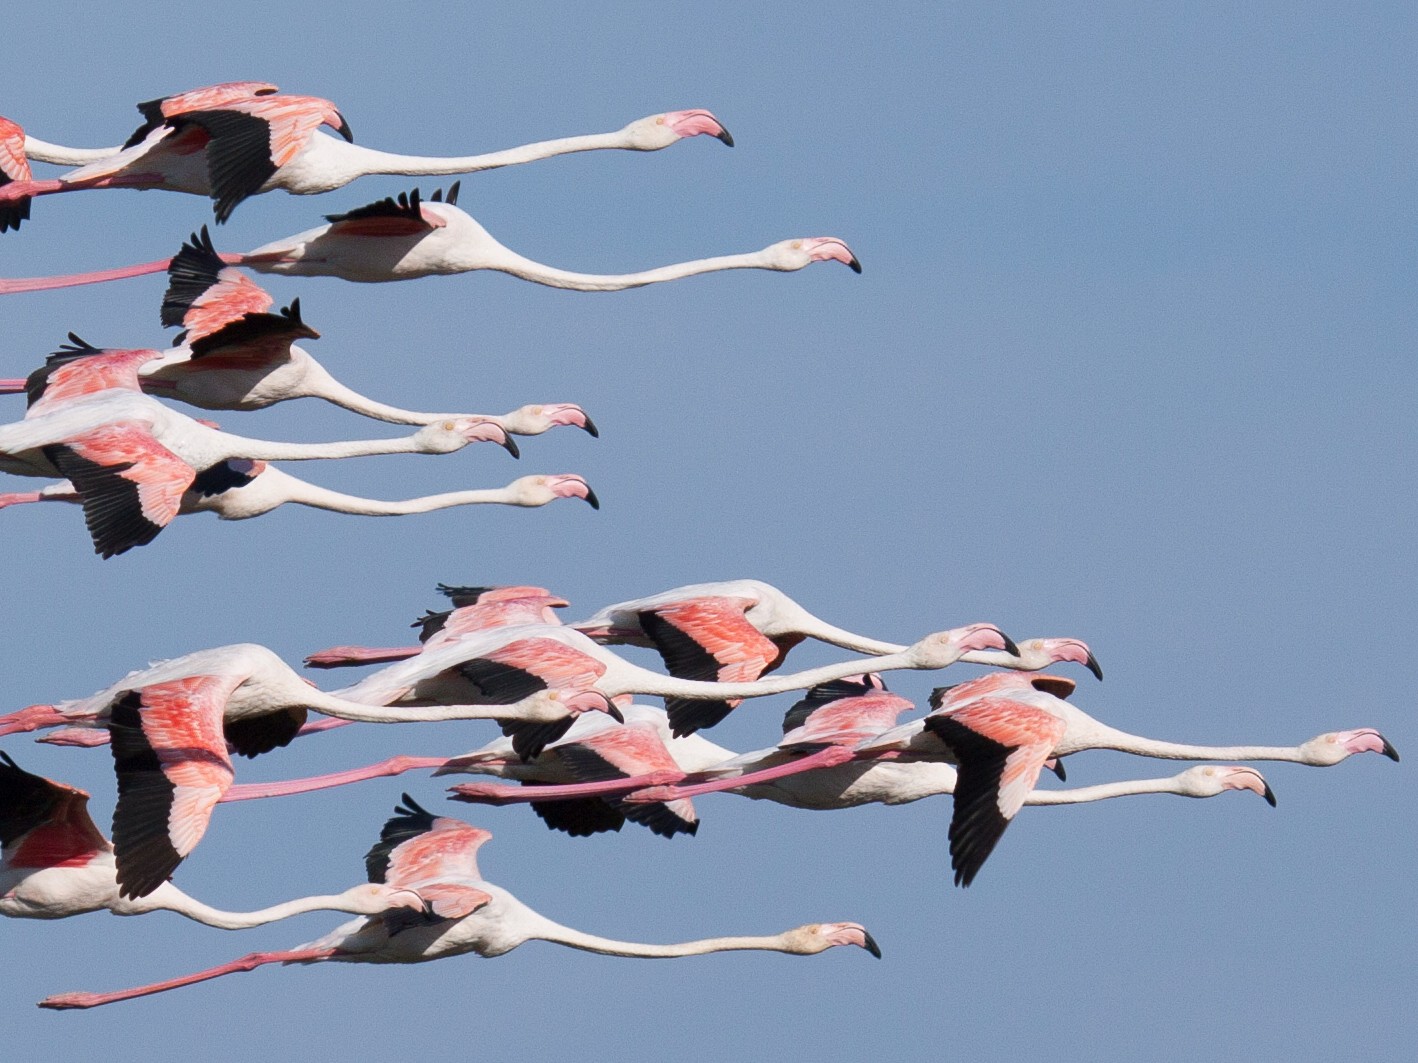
(1132, 360)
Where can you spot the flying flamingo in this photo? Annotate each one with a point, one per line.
(738, 630)
(131, 459)
(171, 725)
(240, 146)
(14, 168)
(436, 856)
(474, 609)
(402, 239)
(238, 489)
(56, 863)
(596, 755)
(235, 355)
(505, 665)
(1001, 737)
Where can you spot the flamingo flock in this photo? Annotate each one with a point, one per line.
(577, 743)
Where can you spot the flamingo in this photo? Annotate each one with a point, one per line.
(235, 355)
(474, 609)
(131, 459)
(596, 755)
(1000, 732)
(505, 665)
(436, 855)
(402, 239)
(57, 863)
(171, 725)
(737, 630)
(14, 168)
(247, 143)
(238, 489)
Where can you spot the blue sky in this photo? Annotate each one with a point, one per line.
(1131, 360)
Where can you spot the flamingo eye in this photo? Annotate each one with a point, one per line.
(536, 411)
(797, 245)
(448, 426)
(660, 120)
(1208, 771)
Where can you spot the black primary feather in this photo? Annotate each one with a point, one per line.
(826, 694)
(406, 206)
(191, 272)
(113, 509)
(26, 801)
(142, 844)
(976, 824)
(239, 155)
(410, 819)
(75, 350)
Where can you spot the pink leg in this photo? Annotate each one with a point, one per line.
(250, 962)
(392, 766)
(83, 737)
(32, 719)
(21, 189)
(823, 758)
(40, 284)
(10, 386)
(482, 793)
(327, 724)
(16, 498)
(340, 656)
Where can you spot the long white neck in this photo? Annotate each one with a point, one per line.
(43, 151)
(825, 632)
(508, 261)
(643, 681)
(168, 897)
(308, 494)
(320, 384)
(546, 930)
(330, 705)
(266, 450)
(1099, 736)
(1081, 795)
(368, 161)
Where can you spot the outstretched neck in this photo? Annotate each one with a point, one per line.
(546, 930)
(647, 682)
(169, 898)
(508, 261)
(1081, 795)
(1100, 736)
(370, 161)
(307, 494)
(322, 385)
(330, 705)
(266, 450)
(43, 151)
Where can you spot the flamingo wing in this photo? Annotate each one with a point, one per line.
(44, 823)
(710, 640)
(157, 112)
(842, 712)
(619, 753)
(13, 167)
(79, 368)
(404, 216)
(1001, 746)
(204, 293)
(131, 485)
(170, 756)
(433, 855)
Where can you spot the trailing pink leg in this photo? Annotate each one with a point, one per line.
(41, 284)
(11, 385)
(327, 724)
(483, 793)
(31, 718)
(823, 758)
(385, 768)
(340, 656)
(250, 962)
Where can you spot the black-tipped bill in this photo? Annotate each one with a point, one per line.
(1389, 751)
(344, 129)
(1059, 770)
(510, 445)
(596, 504)
(1269, 795)
(1093, 666)
(1009, 645)
(855, 265)
(871, 945)
(614, 713)
(725, 135)
(590, 428)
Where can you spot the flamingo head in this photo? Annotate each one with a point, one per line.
(1040, 653)
(454, 433)
(661, 130)
(788, 255)
(944, 648)
(375, 898)
(1208, 780)
(1327, 749)
(579, 701)
(535, 419)
(819, 937)
(569, 485)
